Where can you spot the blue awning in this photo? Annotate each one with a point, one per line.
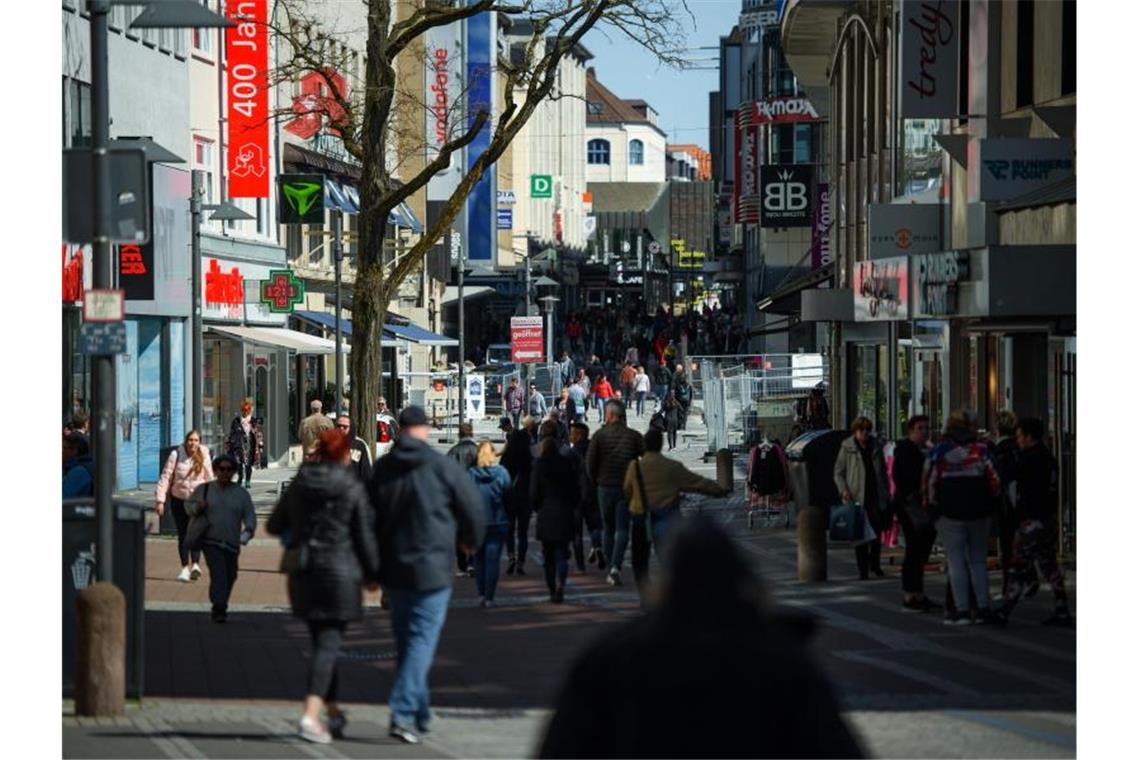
(416, 334)
(409, 219)
(328, 321)
(341, 197)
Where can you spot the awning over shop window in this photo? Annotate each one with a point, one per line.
(279, 337)
(406, 218)
(328, 321)
(784, 299)
(470, 293)
(415, 334)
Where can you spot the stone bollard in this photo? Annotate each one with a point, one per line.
(724, 468)
(101, 650)
(812, 552)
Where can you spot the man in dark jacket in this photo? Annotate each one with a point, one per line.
(465, 453)
(360, 461)
(646, 688)
(588, 507)
(421, 499)
(518, 458)
(1035, 543)
(918, 528)
(1005, 453)
(610, 452)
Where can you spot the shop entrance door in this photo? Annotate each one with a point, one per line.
(258, 387)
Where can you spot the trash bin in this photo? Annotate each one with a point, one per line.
(811, 463)
(79, 537)
(166, 524)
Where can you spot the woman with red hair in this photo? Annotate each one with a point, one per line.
(244, 443)
(327, 524)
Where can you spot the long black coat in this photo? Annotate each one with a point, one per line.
(554, 494)
(326, 506)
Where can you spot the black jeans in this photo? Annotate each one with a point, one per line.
(182, 521)
(578, 544)
(919, 542)
(556, 563)
(223, 566)
(517, 534)
(248, 473)
(867, 557)
(462, 561)
(327, 636)
(671, 434)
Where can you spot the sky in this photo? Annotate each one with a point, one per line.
(681, 98)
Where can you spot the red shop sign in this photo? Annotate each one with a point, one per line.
(526, 339)
(225, 288)
(247, 95)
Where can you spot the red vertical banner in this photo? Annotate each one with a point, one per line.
(738, 133)
(247, 99)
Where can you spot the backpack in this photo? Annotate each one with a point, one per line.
(657, 421)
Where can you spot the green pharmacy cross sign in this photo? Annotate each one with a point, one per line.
(282, 291)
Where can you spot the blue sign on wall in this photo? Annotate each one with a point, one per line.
(481, 242)
(506, 219)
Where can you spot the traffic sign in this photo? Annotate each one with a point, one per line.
(103, 338)
(541, 186)
(105, 305)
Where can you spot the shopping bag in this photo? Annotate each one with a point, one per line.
(844, 523)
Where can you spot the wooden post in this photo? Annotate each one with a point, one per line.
(812, 545)
(724, 468)
(101, 650)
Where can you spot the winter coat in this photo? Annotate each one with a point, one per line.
(230, 511)
(361, 460)
(465, 453)
(518, 458)
(673, 411)
(611, 450)
(242, 446)
(422, 500)
(642, 688)
(850, 473)
(665, 479)
(961, 482)
(906, 472)
(176, 479)
(79, 477)
(1036, 476)
(684, 392)
(326, 508)
(494, 484)
(555, 494)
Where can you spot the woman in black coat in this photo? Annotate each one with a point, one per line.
(327, 523)
(554, 494)
(673, 410)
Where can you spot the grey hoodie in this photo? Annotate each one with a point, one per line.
(230, 510)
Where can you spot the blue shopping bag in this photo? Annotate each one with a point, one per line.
(848, 524)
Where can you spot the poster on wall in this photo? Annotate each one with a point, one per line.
(177, 384)
(247, 96)
(476, 409)
(929, 59)
(786, 195)
(482, 237)
(149, 398)
(881, 288)
(127, 411)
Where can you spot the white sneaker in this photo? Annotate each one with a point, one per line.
(313, 731)
(195, 572)
(184, 576)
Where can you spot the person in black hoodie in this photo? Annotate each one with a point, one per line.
(1035, 542)
(587, 511)
(421, 499)
(465, 452)
(554, 494)
(1005, 453)
(331, 552)
(918, 528)
(672, 683)
(518, 458)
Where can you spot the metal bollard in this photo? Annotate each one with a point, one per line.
(101, 651)
(724, 472)
(812, 545)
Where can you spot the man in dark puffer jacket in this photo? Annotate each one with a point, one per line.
(611, 450)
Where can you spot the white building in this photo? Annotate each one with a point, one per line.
(623, 141)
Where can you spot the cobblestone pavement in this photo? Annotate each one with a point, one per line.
(910, 686)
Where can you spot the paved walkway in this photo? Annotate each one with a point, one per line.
(910, 686)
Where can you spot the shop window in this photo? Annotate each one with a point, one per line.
(204, 163)
(79, 97)
(201, 39)
(1025, 62)
(1069, 47)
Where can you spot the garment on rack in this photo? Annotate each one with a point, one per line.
(766, 471)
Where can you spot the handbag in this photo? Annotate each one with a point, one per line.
(848, 524)
(199, 526)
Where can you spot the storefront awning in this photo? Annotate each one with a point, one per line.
(415, 334)
(328, 321)
(785, 300)
(470, 293)
(280, 337)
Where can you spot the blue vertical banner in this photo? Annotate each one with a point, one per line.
(126, 429)
(150, 399)
(177, 383)
(481, 228)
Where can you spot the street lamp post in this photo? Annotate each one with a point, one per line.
(548, 303)
(338, 256)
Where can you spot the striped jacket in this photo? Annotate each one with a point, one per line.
(960, 480)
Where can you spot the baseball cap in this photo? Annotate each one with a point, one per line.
(412, 416)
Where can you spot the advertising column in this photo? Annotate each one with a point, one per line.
(481, 232)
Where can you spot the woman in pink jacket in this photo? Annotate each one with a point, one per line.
(187, 467)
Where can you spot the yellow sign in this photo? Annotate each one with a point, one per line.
(685, 258)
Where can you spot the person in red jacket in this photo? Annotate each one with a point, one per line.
(603, 391)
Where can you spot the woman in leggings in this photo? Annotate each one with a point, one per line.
(327, 525)
(186, 468)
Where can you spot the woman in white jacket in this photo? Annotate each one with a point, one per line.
(186, 468)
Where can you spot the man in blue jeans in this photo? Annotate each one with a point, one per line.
(611, 450)
(424, 501)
